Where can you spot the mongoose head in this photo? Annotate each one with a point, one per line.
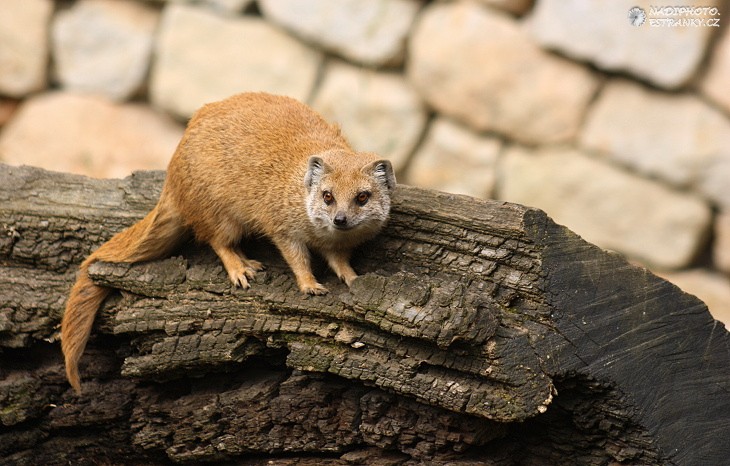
(348, 194)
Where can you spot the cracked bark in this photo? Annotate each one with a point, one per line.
(479, 333)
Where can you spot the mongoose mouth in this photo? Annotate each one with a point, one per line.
(343, 227)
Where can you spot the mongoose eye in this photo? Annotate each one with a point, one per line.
(362, 198)
(328, 197)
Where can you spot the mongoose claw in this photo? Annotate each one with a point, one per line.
(240, 280)
(317, 289)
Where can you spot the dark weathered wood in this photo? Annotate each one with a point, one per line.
(480, 333)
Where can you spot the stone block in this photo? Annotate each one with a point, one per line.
(678, 138)
(370, 32)
(477, 65)
(599, 31)
(637, 217)
(24, 46)
(716, 82)
(204, 57)
(104, 46)
(378, 111)
(456, 160)
(88, 134)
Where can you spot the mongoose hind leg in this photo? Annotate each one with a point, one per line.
(255, 265)
(240, 269)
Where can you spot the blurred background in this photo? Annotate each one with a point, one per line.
(613, 116)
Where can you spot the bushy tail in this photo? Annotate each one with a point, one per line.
(155, 236)
(78, 318)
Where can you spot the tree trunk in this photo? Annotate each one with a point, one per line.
(479, 332)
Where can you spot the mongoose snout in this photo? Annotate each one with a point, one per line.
(340, 219)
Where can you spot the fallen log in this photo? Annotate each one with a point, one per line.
(479, 333)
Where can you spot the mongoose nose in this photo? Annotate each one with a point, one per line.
(340, 219)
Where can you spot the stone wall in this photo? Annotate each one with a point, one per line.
(621, 132)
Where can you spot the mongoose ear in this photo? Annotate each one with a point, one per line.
(382, 171)
(315, 169)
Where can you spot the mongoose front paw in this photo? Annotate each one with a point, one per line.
(348, 279)
(316, 289)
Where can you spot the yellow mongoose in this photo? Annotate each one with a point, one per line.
(253, 164)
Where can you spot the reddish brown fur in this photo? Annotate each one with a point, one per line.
(239, 170)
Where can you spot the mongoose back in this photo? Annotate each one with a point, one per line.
(253, 164)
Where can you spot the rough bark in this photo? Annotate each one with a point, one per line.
(479, 333)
